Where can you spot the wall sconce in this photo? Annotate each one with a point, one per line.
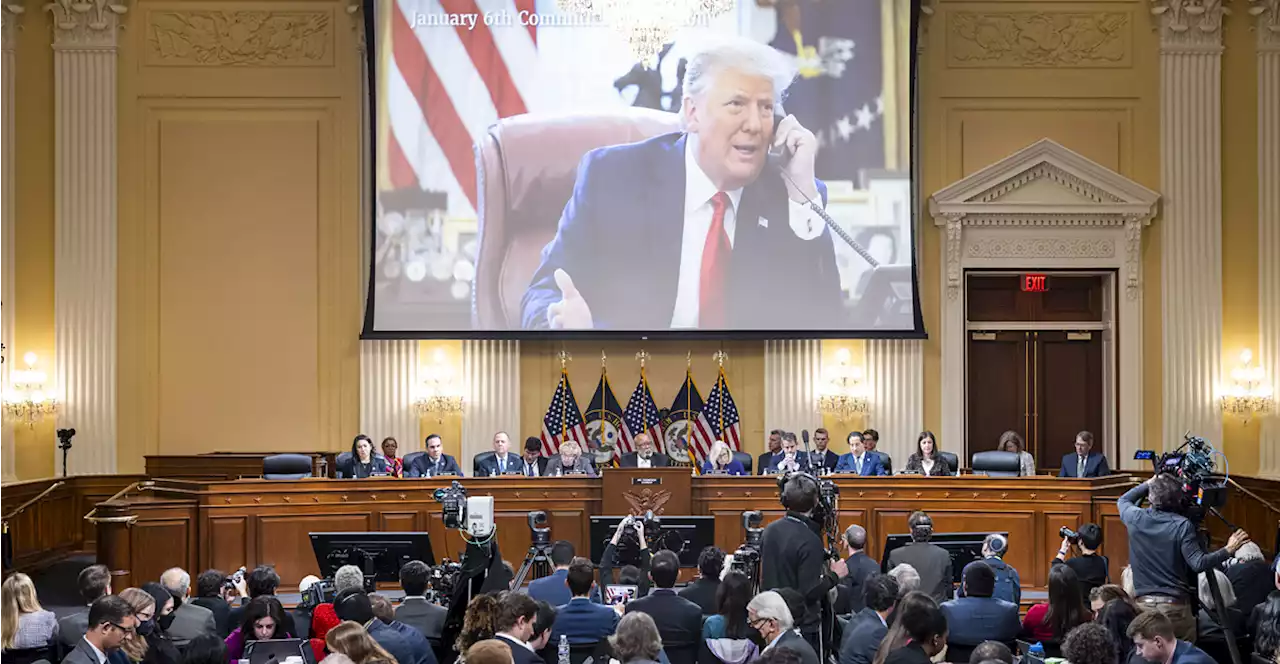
(1248, 395)
(844, 394)
(438, 392)
(26, 400)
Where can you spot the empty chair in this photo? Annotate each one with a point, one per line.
(997, 464)
(744, 459)
(286, 467)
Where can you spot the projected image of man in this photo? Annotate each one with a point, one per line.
(695, 229)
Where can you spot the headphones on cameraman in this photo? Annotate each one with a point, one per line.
(997, 544)
(922, 531)
(783, 492)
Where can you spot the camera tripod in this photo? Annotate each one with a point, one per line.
(537, 559)
(1215, 590)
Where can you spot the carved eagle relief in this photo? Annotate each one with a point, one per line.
(647, 500)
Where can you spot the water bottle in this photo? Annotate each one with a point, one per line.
(1037, 650)
(562, 652)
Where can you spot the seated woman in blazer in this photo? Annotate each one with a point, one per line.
(927, 459)
(364, 463)
(721, 460)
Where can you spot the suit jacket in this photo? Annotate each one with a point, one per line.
(1186, 653)
(422, 467)
(764, 461)
(703, 593)
(221, 613)
(1095, 465)
(829, 459)
(418, 644)
(555, 466)
(71, 631)
(520, 654)
(972, 620)
(553, 591)
(862, 638)
(632, 196)
(422, 615)
(190, 621)
(793, 641)
(932, 562)
(679, 621)
(630, 460)
(583, 621)
(802, 462)
(489, 465)
(870, 464)
(851, 595)
(82, 653)
(540, 462)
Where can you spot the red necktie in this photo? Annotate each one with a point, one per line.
(715, 267)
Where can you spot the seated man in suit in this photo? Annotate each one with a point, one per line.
(581, 619)
(977, 616)
(931, 561)
(1085, 462)
(532, 463)
(1152, 634)
(501, 462)
(434, 462)
(354, 604)
(857, 460)
(849, 598)
(820, 456)
(871, 441)
(111, 622)
(645, 455)
(189, 620)
(414, 609)
(770, 457)
(702, 591)
(768, 614)
(214, 593)
(791, 460)
(570, 461)
(679, 621)
(94, 582)
(745, 232)
(866, 629)
(385, 612)
(553, 589)
(514, 625)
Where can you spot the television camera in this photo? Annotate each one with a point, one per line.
(470, 514)
(442, 579)
(746, 560)
(1204, 490)
(629, 542)
(826, 510)
(538, 559)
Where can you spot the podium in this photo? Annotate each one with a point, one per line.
(634, 491)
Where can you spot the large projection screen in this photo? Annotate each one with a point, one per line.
(533, 177)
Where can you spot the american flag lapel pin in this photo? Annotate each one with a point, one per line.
(764, 223)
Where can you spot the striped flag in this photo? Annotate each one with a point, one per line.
(641, 416)
(686, 434)
(604, 424)
(563, 420)
(721, 415)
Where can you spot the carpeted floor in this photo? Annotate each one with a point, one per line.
(56, 585)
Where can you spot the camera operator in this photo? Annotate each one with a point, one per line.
(1165, 554)
(609, 557)
(1091, 568)
(792, 555)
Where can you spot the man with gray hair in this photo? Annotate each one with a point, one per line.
(713, 227)
(768, 614)
(850, 595)
(1251, 577)
(189, 620)
(907, 577)
(348, 576)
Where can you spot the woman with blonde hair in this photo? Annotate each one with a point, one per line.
(720, 461)
(1010, 441)
(350, 638)
(25, 624)
(570, 461)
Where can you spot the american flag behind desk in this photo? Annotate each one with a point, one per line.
(722, 415)
(563, 420)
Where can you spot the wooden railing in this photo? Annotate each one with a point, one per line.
(44, 518)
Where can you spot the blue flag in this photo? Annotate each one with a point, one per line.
(604, 424)
(685, 432)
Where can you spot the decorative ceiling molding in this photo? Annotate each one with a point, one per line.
(255, 38)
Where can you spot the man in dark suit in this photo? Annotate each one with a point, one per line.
(189, 620)
(354, 604)
(434, 462)
(414, 609)
(930, 561)
(645, 456)
(858, 460)
(1153, 638)
(553, 589)
(1084, 462)
(679, 621)
(770, 458)
(703, 590)
(582, 620)
(515, 626)
(849, 598)
(532, 463)
(711, 229)
(791, 459)
(977, 616)
(820, 456)
(94, 582)
(212, 593)
(768, 614)
(502, 461)
(866, 629)
(111, 622)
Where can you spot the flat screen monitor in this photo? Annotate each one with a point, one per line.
(963, 547)
(687, 536)
(380, 555)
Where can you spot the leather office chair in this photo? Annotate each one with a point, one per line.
(952, 460)
(342, 465)
(526, 167)
(475, 463)
(286, 467)
(410, 458)
(885, 461)
(744, 459)
(993, 463)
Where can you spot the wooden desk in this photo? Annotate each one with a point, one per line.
(226, 465)
(638, 490)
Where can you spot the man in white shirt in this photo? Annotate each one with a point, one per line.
(515, 626)
(645, 455)
(790, 461)
(111, 623)
(745, 230)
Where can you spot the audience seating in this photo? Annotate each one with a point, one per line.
(994, 463)
(286, 467)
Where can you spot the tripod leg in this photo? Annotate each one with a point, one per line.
(1221, 613)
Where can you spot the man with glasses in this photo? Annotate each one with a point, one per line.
(111, 623)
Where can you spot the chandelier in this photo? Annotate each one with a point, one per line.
(844, 395)
(647, 25)
(26, 400)
(1248, 395)
(438, 393)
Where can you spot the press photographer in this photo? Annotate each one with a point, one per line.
(631, 529)
(1091, 568)
(1165, 552)
(793, 554)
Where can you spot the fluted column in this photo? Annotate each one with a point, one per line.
(1191, 228)
(895, 372)
(10, 13)
(491, 376)
(84, 302)
(388, 371)
(791, 372)
(1268, 27)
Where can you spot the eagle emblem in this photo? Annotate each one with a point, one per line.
(647, 500)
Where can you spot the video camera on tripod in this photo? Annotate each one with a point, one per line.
(1192, 464)
(470, 514)
(826, 509)
(746, 560)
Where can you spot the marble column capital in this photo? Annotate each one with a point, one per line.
(86, 24)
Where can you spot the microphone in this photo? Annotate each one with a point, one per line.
(775, 161)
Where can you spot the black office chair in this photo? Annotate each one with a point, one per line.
(28, 655)
(953, 461)
(408, 459)
(994, 463)
(475, 463)
(885, 461)
(286, 467)
(342, 465)
(744, 459)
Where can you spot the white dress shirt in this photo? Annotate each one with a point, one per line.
(102, 656)
(643, 462)
(501, 463)
(698, 191)
(517, 639)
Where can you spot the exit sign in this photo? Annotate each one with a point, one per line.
(1035, 283)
